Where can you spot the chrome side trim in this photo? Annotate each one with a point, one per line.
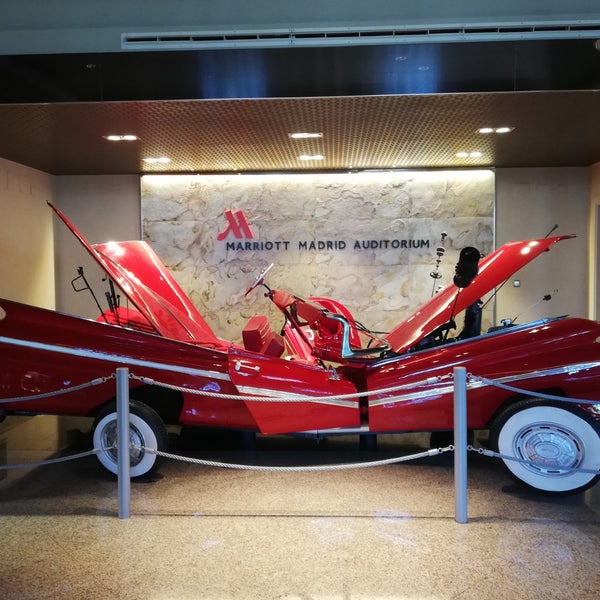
(432, 391)
(473, 383)
(267, 395)
(115, 358)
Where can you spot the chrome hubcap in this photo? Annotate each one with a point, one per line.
(554, 450)
(109, 441)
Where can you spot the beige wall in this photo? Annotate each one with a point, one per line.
(38, 244)
(364, 216)
(27, 275)
(104, 208)
(26, 235)
(529, 202)
(25, 440)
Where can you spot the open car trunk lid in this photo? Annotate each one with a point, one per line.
(493, 270)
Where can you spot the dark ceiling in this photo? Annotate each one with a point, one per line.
(378, 107)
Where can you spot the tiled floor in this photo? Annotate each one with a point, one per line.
(378, 533)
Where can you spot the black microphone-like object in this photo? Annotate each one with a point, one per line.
(467, 267)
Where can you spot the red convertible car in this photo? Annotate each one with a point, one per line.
(322, 373)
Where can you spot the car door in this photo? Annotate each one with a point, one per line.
(292, 396)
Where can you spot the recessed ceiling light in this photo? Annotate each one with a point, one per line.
(304, 135)
(128, 137)
(475, 154)
(311, 157)
(503, 129)
(160, 159)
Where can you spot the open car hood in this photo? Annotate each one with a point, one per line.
(158, 297)
(494, 269)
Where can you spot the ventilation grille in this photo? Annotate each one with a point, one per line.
(278, 38)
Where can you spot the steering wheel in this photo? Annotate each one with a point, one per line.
(258, 281)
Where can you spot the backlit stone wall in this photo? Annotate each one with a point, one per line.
(366, 239)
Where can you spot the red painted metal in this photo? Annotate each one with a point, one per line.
(261, 375)
(142, 276)
(560, 356)
(493, 270)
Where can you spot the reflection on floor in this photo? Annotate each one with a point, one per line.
(378, 533)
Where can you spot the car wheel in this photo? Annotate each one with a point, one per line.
(146, 429)
(556, 437)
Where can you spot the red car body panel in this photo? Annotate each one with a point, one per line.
(493, 270)
(57, 351)
(259, 375)
(42, 351)
(559, 356)
(142, 276)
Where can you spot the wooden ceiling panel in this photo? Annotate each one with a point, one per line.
(359, 132)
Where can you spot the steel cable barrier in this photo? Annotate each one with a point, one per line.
(462, 382)
(66, 390)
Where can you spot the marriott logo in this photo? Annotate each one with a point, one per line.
(236, 224)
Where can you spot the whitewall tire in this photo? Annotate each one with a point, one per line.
(556, 437)
(146, 430)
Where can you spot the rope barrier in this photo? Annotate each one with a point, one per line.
(209, 393)
(541, 395)
(298, 398)
(74, 388)
(52, 461)
(460, 464)
(524, 461)
(290, 469)
(332, 467)
(315, 399)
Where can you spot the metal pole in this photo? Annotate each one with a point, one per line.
(460, 444)
(123, 478)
